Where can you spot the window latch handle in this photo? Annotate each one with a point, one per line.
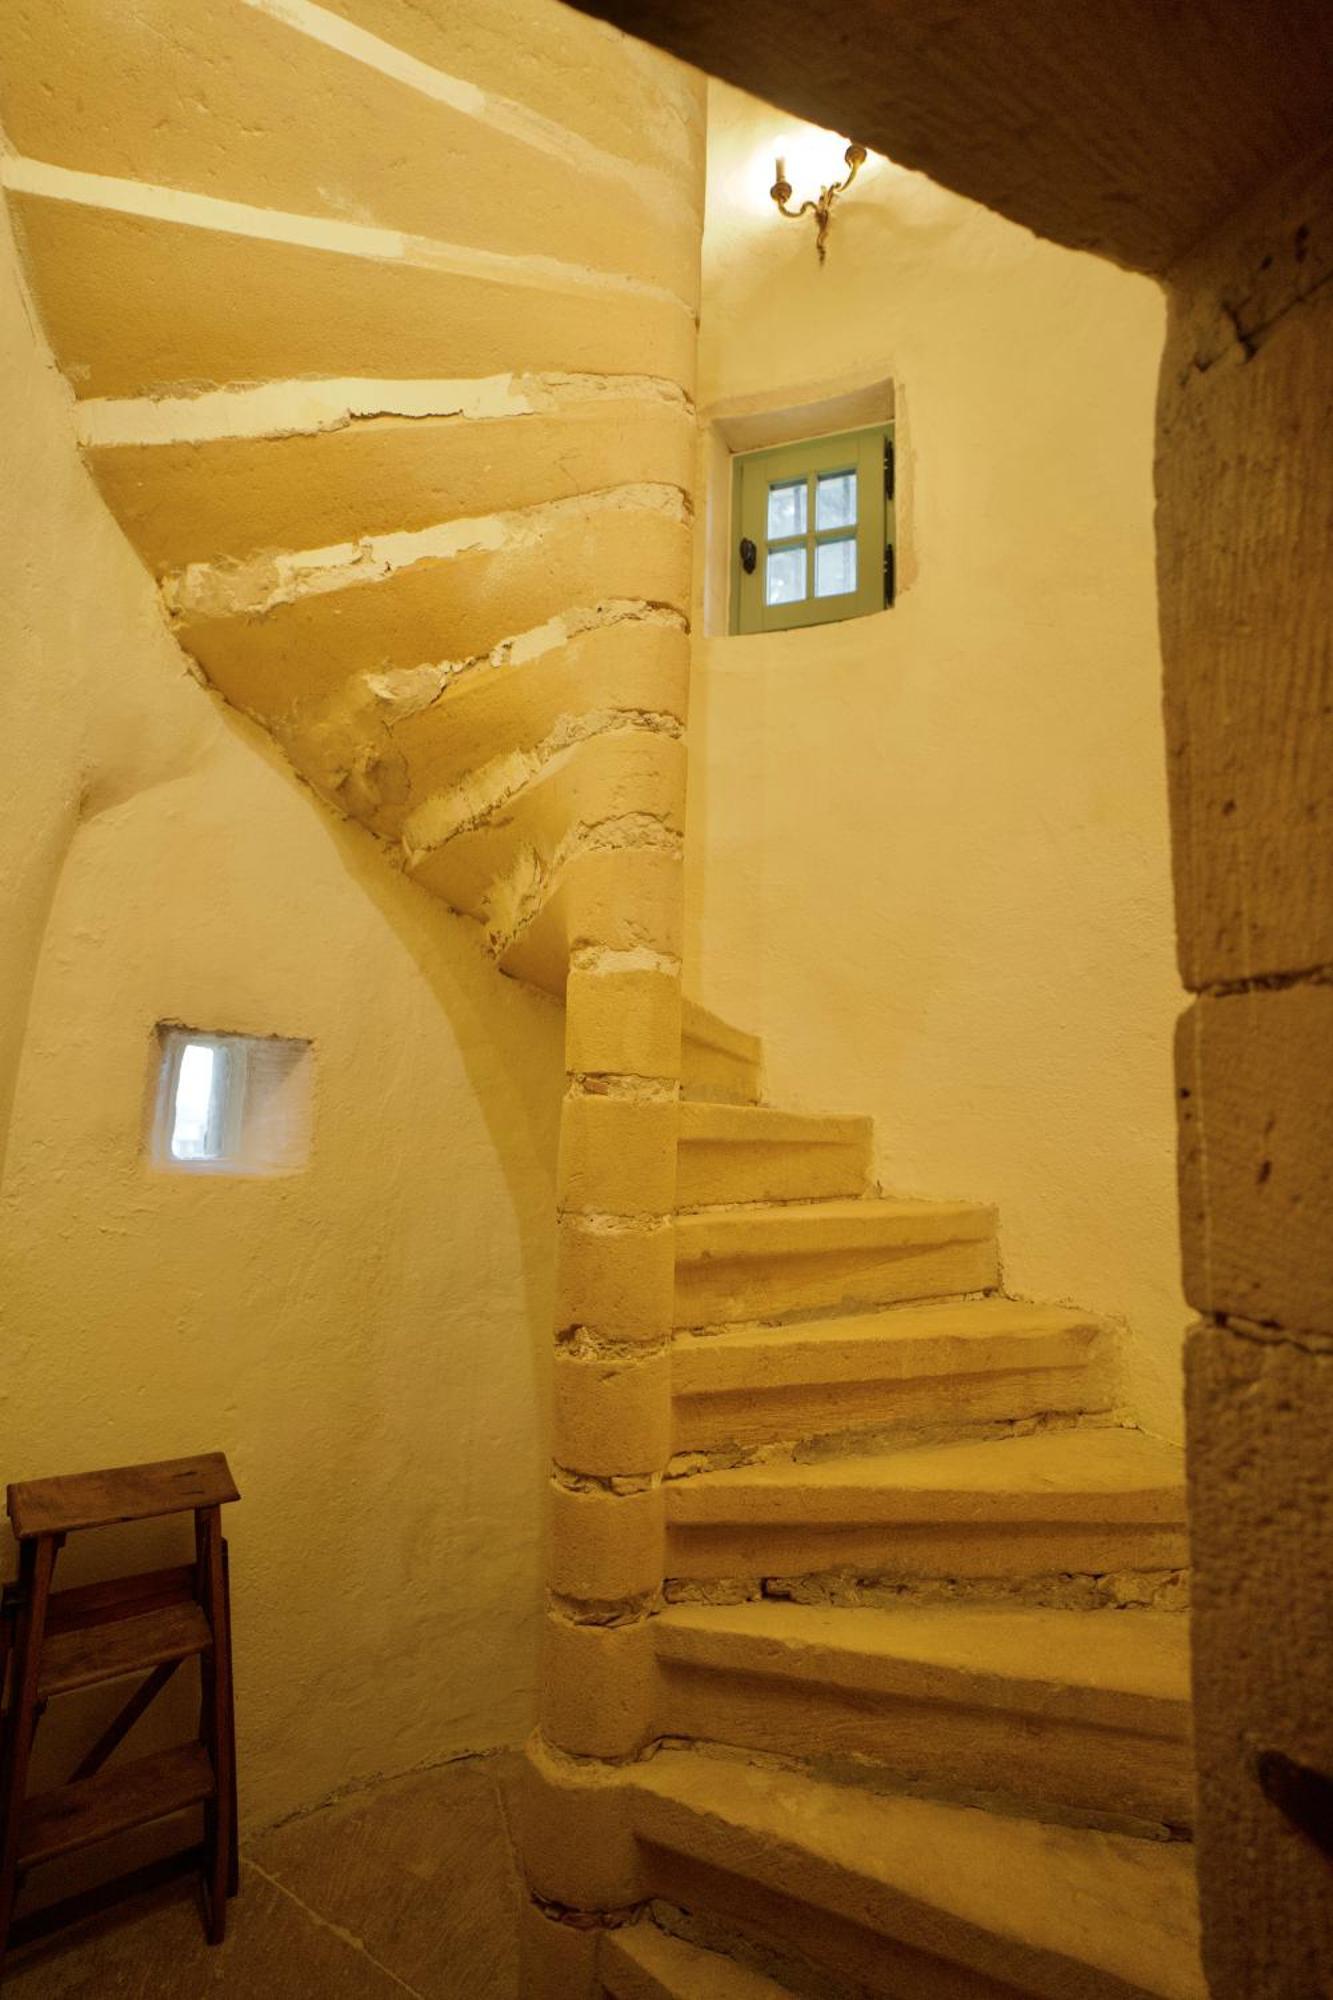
(749, 556)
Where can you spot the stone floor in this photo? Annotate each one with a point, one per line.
(408, 1889)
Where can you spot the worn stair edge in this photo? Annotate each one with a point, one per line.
(645, 1963)
(935, 1367)
(718, 1062)
(1033, 1708)
(708, 1123)
(824, 1228)
(941, 1337)
(709, 1030)
(767, 1260)
(117, 1799)
(973, 1899)
(1130, 1671)
(752, 1153)
(1096, 1474)
(1091, 1501)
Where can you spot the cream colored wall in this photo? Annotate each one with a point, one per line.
(928, 851)
(365, 1339)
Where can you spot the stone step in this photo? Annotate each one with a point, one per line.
(336, 167)
(764, 1261)
(462, 849)
(644, 1963)
(948, 1363)
(1086, 1501)
(284, 654)
(312, 315)
(749, 1152)
(899, 1895)
(1086, 1712)
(230, 499)
(719, 1063)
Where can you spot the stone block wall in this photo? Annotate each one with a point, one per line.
(1245, 481)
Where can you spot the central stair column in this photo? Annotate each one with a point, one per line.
(611, 1438)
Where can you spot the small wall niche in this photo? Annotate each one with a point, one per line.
(740, 426)
(231, 1104)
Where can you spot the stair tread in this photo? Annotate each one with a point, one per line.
(751, 1155)
(848, 1222)
(1058, 1911)
(896, 1341)
(1022, 1657)
(644, 1963)
(699, 1025)
(117, 1798)
(702, 1121)
(85, 1655)
(1130, 1477)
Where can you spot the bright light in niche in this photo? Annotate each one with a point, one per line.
(231, 1104)
(195, 1120)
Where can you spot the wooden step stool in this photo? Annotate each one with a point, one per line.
(57, 1641)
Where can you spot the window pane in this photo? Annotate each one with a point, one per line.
(786, 512)
(785, 580)
(835, 568)
(835, 501)
(194, 1133)
(234, 1104)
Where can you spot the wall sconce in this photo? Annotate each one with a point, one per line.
(822, 210)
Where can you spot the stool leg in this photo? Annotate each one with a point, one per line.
(37, 1558)
(234, 1858)
(216, 1725)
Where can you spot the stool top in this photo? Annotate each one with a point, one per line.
(124, 1493)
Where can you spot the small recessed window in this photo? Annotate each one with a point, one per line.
(814, 531)
(231, 1104)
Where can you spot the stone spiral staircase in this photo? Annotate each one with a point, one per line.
(866, 1673)
(385, 372)
(920, 1681)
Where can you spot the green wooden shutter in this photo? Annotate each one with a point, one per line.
(819, 516)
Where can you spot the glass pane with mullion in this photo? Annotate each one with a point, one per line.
(196, 1117)
(787, 512)
(785, 575)
(835, 500)
(830, 460)
(835, 567)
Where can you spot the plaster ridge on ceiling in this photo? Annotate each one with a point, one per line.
(503, 115)
(150, 201)
(501, 781)
(409, 691)
(303, 408)
(610, 959)
(600, 1085)
(516, 900)
(253, 588)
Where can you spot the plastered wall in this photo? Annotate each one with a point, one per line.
(365, 1339)
(404, 433)
(928, 851)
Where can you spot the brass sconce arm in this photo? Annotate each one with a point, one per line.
(822, 210)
